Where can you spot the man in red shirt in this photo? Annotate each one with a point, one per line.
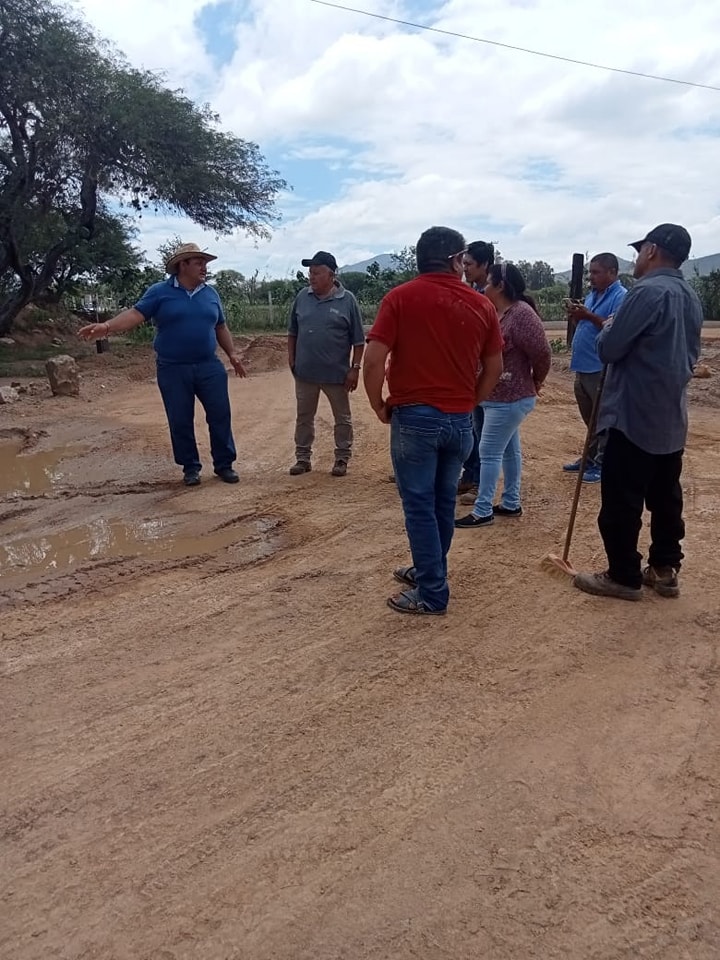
(445, 351)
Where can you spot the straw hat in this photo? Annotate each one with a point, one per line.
(184, 252)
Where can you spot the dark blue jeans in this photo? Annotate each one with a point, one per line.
(428, 449)
(471, 467)
(179, 384)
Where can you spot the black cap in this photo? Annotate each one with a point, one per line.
(671, 237)
(321, 259)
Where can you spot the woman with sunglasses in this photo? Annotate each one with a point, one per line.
(526, 364)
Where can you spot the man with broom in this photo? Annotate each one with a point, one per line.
(650, 347)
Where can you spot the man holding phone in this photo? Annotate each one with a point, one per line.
(606, 295)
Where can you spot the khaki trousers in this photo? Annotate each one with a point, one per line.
(307, 396)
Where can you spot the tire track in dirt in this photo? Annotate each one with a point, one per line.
(211, 761)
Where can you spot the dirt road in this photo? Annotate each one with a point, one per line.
(219, 744)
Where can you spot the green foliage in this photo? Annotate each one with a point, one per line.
(77, 126)
(405, 262)
(354, 281)
(537, 275)
(708, 289)
(230, 285)
(558, 345)
(549, 302)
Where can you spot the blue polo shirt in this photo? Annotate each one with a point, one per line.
(184, 320)
(584, 343)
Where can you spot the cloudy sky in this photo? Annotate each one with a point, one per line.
(382, 130)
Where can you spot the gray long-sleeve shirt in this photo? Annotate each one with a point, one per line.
(651, 346)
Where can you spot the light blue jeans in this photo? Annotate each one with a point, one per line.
(500, 450)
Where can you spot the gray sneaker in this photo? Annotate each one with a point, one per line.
(600, 585)
(662, 580)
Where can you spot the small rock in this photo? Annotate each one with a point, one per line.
(15, 383)
(7, 341)
(22, 389)
(57, 341)
(63, 375)
(702, 371)
(8, 395)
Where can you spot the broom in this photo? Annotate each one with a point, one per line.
(551, 562)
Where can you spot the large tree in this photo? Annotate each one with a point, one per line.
(79, 127)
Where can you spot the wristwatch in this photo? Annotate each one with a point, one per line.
(355, 366)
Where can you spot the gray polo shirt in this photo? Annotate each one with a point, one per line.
(652, 345)
(326, 332)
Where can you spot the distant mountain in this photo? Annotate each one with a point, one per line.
(625, 267)
(385, 261)
(701, 266)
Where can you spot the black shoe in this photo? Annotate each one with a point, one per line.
(500, 511)
(302, 466)
(227, 475)
(471, 521)
(191, 478)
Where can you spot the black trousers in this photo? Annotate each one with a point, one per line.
(631, 480)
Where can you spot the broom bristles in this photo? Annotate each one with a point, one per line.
(553, 563)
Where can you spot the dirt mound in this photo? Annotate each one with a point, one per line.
(264, 353)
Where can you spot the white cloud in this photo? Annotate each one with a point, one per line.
(444, 128)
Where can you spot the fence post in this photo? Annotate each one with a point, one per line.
(270, 309)
(576, 289)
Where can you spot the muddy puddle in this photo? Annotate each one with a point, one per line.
(104, 539)
(34, 472)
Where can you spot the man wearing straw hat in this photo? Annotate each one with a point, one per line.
(189, 324)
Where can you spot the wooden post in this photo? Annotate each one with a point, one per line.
(576, 290)
(270, 309)
(101, 346)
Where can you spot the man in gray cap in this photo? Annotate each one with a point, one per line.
(325, 328)
(650, 347)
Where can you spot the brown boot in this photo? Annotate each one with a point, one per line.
(663, 580)
(465, 487)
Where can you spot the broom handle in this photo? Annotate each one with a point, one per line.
(583, 462)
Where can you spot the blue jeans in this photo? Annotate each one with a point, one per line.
(500, 449)
(179, 384)
(471, 467)
(428, 449)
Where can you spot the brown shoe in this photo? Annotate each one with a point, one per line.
(663, 580)
(339, 469)
(464, 487)
(469, 498)
(302, 466)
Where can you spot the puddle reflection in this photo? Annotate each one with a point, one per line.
(34, 472)
(107, 539)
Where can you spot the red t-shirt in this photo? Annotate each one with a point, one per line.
(438, 329)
